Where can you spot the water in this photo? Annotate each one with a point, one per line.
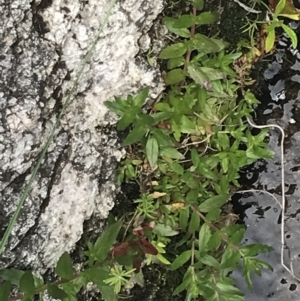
(279, 92)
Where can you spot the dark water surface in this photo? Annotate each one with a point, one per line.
(279, 93)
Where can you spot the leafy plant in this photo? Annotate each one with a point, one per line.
(193, 143)
(276, 9)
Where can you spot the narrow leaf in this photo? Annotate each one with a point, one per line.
(213, 203)
(184, 217)
(194, 223)
(270, 40)
(140, 99)
(152, 151)
(204, 237)
(136, 134)
(279, 7)
(171, 153)
(181, 260)
(291, 34)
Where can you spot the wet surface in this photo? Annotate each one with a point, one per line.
(279, 93)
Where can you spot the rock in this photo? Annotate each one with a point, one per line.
(42, 47)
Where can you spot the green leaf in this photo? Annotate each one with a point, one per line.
(237, 236)
(164, 230)
(107, 293)
(55, 292)
(270, 40)
(175, 50)
(229, 289)
(97, 275)
(175, 62)
(137, 133)
(195, 157)
(291, 34)
(224, 164)
(230, 258)
(181, 260)
(213, 73)
(140, 99)
(162, 138)
(194, 224)
(205, 44)
(250, 98)
(64, 267)
(171, 153)
(5, 291)
(182, 32)
(192, 196)
(279, 7)
(213, 203)
(199, 77)
(145, 119)
(204, 237)
(152, 151)
(213, 215)
(207, 18)
(163, 106)
(197, 4)
(177, 168)
(210, 261)
(223, 140)
(106, 240)
(27, 284)
(126, 120)
(12, 275)
(184, 21)
(255, 249)
(184, 214)
(159, 116)
(175, 76)
(214, 242)
(186, 125)
(184, 285)
(115, 107)
(71, 288)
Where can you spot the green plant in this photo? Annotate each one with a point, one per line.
(195, 142)
(282, 8)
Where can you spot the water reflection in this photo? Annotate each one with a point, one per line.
(280, 97)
